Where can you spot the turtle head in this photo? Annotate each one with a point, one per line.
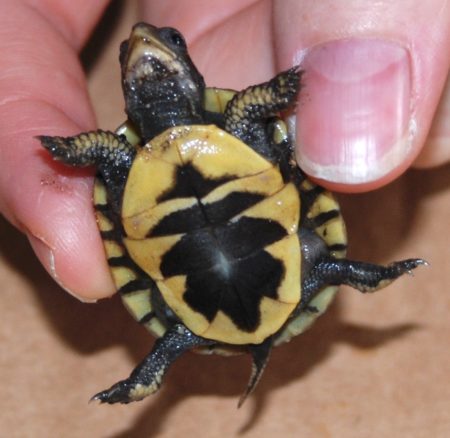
(161, 85)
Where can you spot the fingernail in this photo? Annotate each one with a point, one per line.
(46, 256)
(354, 121)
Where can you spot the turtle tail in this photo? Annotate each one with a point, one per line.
(260, 356)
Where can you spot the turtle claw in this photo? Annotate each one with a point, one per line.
(147, 377)
(118, 393)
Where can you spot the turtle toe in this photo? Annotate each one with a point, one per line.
(118, 393)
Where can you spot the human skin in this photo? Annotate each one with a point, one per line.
(43, 91)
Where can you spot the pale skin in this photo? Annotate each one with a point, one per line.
(43, 91)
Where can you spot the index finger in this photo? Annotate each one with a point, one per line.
(43, 92)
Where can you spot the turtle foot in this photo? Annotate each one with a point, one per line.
(125, 391)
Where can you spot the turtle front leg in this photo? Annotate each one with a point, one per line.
(248, 110)
(99, 148)
(366, 277)
(147, 377)
(110, 153)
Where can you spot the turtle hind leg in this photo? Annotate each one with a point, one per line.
(260, 356)
(366, 277)
(147, 377)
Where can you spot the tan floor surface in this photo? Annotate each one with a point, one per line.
(373, 366)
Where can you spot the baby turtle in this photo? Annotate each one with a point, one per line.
(216, 240)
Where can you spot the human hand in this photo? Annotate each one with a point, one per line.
(44, 92)
(43, 89)
(374, 76)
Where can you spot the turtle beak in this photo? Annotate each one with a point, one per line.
(144, 55)
(144, 33)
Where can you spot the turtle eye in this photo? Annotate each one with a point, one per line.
(175, 38)
(178, 39)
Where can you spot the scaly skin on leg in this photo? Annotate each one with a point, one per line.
(254, 105)
(90, 148)
(112, 155)
(147, 377)
(366, 277)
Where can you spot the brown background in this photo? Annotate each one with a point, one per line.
(373, 366)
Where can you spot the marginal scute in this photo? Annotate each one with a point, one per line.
(137, 303)
(304, 320)
(113, 249)
(332, 231)
(216, 99)
(104, 224)
(129, 131)
(122, 275)
(101, 201)
(155, 326)
(100, 196)
(280, 132)
(325, 202)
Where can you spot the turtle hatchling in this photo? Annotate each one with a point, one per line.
(217, 242)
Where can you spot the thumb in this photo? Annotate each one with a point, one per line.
(373, 78)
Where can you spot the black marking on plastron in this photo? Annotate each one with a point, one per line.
(109, 235)
(202, 249)
(180, 221)
(324, 217)
(111, 212)
(248, 235)
(123, 260)
(108, 214)
(147, 317)
(102, 208)
(190, 182)
(214, 118)
(227, 269)
(337, 247)
(308, 198)
(135, 285)
(311, 195)
(237, 294)
(201, 215)
(230, 206)
(284, 165)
